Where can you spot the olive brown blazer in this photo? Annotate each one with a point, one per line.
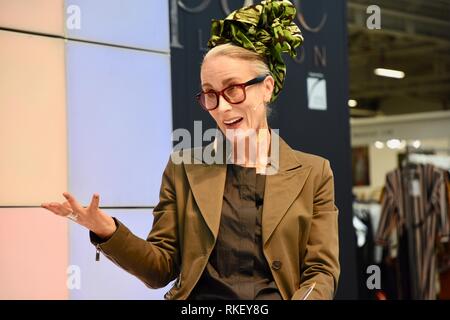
(299, 228)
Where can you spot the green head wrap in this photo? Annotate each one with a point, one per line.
(267, 29)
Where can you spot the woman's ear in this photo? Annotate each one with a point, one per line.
(269, 84)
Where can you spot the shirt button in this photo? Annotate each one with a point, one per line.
(276, 265)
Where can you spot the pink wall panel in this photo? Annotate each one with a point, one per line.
(33, 254)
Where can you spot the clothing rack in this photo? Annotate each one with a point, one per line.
(440, 161)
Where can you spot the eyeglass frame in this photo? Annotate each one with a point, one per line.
(243, 86)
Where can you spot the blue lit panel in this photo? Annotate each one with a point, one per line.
(103, 279)
(119, 123)
(134, 23)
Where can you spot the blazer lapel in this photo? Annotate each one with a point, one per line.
(207, 183)
(282, 189)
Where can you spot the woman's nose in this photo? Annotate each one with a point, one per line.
(224, 105)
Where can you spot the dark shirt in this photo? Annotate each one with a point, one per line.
(237, 268)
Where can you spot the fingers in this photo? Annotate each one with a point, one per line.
(73, 203)
(72, 206)
(94, 202)
(65, 208)
(57, 208)
(67, 205)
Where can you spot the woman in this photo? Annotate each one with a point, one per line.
(232, 230)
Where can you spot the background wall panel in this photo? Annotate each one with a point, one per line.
(33, 254)
(120, 123)
(33, 144)
(43, 16)
(133, 23)
(109, 134)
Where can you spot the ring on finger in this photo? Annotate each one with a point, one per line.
(72, 216)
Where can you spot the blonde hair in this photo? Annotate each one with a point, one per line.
(233, 51)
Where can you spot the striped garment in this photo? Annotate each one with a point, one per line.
(415, 204)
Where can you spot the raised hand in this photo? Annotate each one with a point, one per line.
(90, 217)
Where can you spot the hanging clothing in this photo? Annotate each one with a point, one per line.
(415, 207)
(444, 256)
(366, 216)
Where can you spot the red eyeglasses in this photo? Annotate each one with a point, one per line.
(234, 94)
